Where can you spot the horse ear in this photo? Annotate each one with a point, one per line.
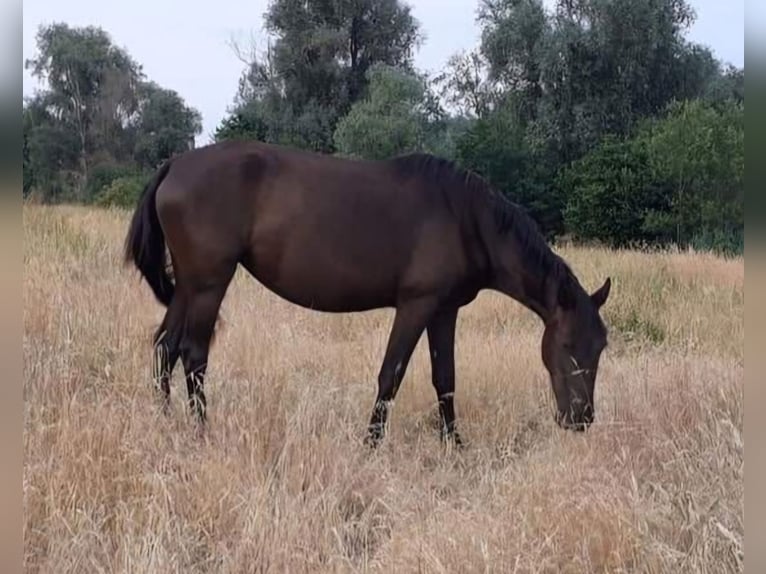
(599, 297)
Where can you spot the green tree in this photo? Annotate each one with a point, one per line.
(393, 119)
(26, 164)
(513, 39)
(97, 118)
(122, 191)
(681, 180)
(165, 126)
(609, 193)
(91, 86)
(242, 125)
(592, 67)
(52, 150)
(699, 150)
(495, 146)
(465, 85)
(316, 67)
(727, 87)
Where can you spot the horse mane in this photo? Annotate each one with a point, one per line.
(464, 189)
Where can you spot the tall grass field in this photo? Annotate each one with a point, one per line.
(282, 481)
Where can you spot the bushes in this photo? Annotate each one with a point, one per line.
(680, 179)
(122, 191)
(698, 149)
(102, 176)
(610, 192)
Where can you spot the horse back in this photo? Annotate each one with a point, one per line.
(321, 231)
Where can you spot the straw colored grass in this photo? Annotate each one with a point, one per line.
(282, 482)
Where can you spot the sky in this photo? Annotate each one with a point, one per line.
(189, 50)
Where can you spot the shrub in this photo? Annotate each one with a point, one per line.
(609, 193)
(122, 192)
(102, 176)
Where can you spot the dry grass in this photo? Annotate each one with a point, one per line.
(282, 484)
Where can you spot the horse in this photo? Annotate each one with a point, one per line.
(415, 233)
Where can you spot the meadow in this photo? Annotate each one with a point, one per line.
(282, 481)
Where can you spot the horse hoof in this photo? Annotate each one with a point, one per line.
(452, 439)
(374, 438)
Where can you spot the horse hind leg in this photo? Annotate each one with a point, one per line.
(201, 316)
(167, 340)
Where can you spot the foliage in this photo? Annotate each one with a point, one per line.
(495, 147)
(584, 78)
(91, 85)
(609, 192)
(316, 68)
(680, 179)
(592, 67)
(465, 85)
(513, 42)
(391, 120)
(597, 116)
(52, 151)
(26, 166)
(242, 125)
(96, 109)
(165, 125)
(104, 174)
(122, 192)
(699, 150)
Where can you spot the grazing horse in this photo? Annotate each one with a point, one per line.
(414, 233)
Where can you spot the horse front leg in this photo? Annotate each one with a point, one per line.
(441, 344)
(410, 321)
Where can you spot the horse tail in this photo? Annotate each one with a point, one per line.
(145, 242)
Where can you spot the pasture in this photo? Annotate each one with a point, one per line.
(282, 482)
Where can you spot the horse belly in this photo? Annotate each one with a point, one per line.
(325, 278)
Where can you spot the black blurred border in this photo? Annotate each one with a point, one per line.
(755, 283)
(11, 400)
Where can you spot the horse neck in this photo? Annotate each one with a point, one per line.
(530, 274)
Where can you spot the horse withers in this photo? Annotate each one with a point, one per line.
(414, 233)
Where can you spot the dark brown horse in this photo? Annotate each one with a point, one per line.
(414, 233)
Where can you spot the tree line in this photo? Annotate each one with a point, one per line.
(99, 127)
(597, 116)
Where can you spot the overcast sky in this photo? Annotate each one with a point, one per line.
(187, 49)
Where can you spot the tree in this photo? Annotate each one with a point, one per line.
(90, 82)
(680, 179)
(512, 42)
(316, 67)
(592, 67)
(610, 192)
(97, 118)
(242, 125)
(699, 150)
(165, 126)
(393, 119)
(465, 85)
(52, 150)
(726, 87)
(495, 146)
(27, 175)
